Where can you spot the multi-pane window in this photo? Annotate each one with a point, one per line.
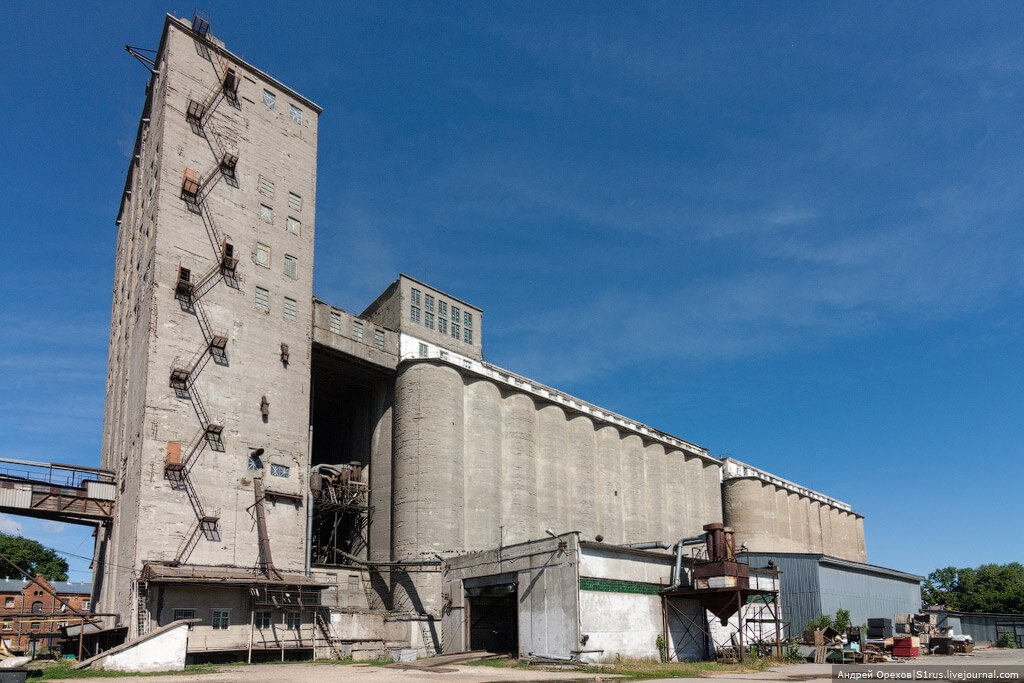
(442, 326)
(289, 309)
(428, 303)
(262, 255)
(293, 620)
(185, 614)
(378, 339)
(289, 265)
(415, 296)
(295, 113)
(442, 308)
(357, 330)
(295, 201)
(294, 226)
(280, 470)
(269, 98)
(335, 322)
(428, 320)
(423, 350)
(266, 186)
(266, 213)
(414, 314)
(220, 619)
(254, 464)
(455, 314)
(467, 319)
(86, 604)
(263, 299)
(467, 335)
(456, 332)
(262, 619)
(353, 582)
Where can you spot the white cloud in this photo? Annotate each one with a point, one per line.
(9, 525)
(51, 527)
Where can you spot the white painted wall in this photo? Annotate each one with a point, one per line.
(163, 652)
(623, 624)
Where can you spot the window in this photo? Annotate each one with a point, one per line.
(255, 463)
(220, 619)
(289, 265)
(263, 299)
(414, 314)
(35, 625)
(280, 470)
(293, 620)
(357, 330)
(443, 355)
(266, 213)
(8, 625)
(378, 339)
(335, 322)
(455, 330)
(9, 602)
(353, 582)
(442, 308)
(428, 320)
(467, 335)
(262, 255)
(332, 579)
(294, 226)
(269, 99)
(185, 614)
(295, 201)
(266, 186)
(423, 350)
(442, 326)
(415, 297)
(86, 604)
(37, 607)
(295, 113)
(467, 319)
(262, 619)
(289, 309)
(428, 303)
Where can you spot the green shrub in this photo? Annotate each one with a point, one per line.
(1006, 639)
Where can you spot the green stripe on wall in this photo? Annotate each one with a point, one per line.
(612, 586)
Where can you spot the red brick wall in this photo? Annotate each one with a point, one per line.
(19, 621)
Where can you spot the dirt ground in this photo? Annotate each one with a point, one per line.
(364, 673)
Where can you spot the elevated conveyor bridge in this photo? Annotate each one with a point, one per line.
(56, 491)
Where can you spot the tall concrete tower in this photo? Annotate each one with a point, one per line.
(207, 404)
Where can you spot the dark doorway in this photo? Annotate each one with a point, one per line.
(493, 618)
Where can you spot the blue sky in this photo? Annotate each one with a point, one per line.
(787, 232)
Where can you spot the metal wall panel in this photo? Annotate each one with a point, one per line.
(16, 497)
(801, 599)
(867, 595)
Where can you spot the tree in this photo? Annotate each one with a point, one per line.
(989, 588)
(32, 557)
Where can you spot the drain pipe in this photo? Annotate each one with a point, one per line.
(677, 571)
(648, 546)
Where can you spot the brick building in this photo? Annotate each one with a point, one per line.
(27, 612)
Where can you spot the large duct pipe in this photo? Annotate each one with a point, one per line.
(677, 571)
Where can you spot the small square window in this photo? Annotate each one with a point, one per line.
(8, 625)
(295, 113)
(280, 470)
(289, 265)
(467, 335)
(289, 309)
(428, 302)
(428, 320)
(456, 332)
(266, 186)
(415, 297)
(423, 350)
(269, 99)
(293, 620)
(255, 464)
(262, 619)
(378, 339)
(357, 330)
(294, 226)
(262, 255)
(185, 614)
(442, 308)
(414, 314)
(266, 213)
(9, 602)
(220, 619)
(295, 201)
(442, 326)
(335, 322)
(263, 299)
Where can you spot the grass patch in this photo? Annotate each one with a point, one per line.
(635, 670)
(63, 670)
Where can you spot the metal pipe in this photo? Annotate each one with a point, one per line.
(557, 658)
(407, 563)
(677, 571)
(648, 546)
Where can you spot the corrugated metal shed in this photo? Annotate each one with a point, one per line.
(814, 584)
(982, 627)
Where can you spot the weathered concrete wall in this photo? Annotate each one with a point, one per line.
(165, 651)
(770, 518)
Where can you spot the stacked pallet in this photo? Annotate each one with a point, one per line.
(924, 626)
(906, 646)
(879, 629)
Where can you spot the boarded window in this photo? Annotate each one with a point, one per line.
(357, 330)
(262, 255)
(295, 113)
(266, 213)
(289, 309)
(263, 299)
(294, 226)
(335, 322)
(266, 186)
(289, 265)
(295, 201)
(378, 339)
